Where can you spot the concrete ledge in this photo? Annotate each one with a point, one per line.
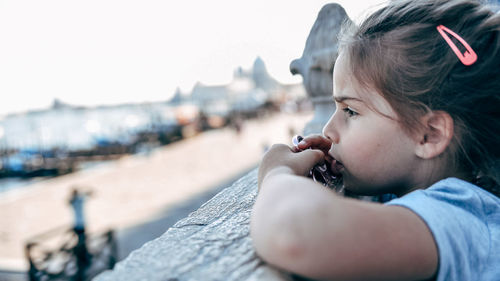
(212, 243)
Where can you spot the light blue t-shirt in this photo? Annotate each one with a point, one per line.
(465, 222)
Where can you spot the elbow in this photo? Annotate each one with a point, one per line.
(277, 248)
(275, 236)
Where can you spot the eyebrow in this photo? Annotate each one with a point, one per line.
(344, 98)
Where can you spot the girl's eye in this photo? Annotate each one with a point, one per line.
(349, 112)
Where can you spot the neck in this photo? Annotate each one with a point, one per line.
(432, 171)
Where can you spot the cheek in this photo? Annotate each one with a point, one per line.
(376, 152)
(362, 153)
(365, 164)
(364, 150)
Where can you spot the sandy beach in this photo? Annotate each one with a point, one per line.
(135, 189)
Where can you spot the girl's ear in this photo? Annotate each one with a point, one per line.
(436, 134)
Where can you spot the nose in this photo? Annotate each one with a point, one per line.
(330, 131)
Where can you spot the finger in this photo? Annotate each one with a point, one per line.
(315, 141)
(279, 147)
(295, 149)
(277, 151)
(312, 157)
(308, 141)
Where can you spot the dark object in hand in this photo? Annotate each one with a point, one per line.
(322, 174)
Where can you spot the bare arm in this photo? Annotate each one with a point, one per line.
(300, 226)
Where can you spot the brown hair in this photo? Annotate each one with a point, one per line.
(398, 51)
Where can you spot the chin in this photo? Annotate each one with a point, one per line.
(361, 192)
(361, 188)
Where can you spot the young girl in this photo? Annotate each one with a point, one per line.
(417, 90)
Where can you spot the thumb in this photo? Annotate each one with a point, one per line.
(312, 157)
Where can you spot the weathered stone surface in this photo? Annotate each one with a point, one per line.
(317, 61)
(212, 243)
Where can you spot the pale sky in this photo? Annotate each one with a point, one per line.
(97, 52)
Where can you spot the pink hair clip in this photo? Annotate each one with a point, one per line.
(467, 58)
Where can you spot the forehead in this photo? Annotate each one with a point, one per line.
(345, 85)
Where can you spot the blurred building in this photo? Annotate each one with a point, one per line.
(249, 90)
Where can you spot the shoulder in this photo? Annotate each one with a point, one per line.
(465, 223)
(454, 195)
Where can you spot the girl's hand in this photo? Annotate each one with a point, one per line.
(283, 159)
(315, 142)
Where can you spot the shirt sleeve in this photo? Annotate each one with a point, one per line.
(454, 215)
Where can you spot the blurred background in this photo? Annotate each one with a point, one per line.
(121, 117)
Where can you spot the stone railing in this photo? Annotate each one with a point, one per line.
(213, 243)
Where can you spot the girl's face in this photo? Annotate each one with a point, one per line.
(376, 154)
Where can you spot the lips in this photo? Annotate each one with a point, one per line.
(336, 167)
